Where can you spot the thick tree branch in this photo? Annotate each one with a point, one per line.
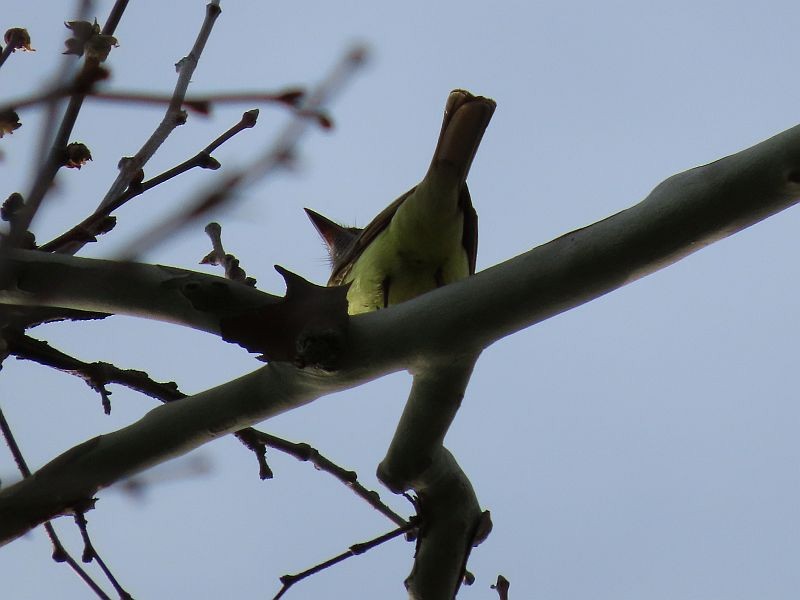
(167, 431)
(682, 215)
(685, 213)
(432, 405)
(451, 524)
(156, 292)
(416, 459)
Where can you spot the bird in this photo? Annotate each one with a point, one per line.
(426, 238)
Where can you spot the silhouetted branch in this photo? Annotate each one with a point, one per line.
(60, 553)
(90, 554)
(305, 452)
(100, 221)
(99, 374)
(291, 97)
(173, 117)
(83, 83)
(354, 550)
(55, 155)
(201, 104)
(276, 156)
(13, 447)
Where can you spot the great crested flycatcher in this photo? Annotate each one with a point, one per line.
(426, 238)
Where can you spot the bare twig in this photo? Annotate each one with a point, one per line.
(7, 51)
(174, 115)
(99, 221)
(218, 256)
(90, 554)
(354, 550)
(99, 374)
(305, 452)
(273, 158)
(60, 553)
(83, 83)
(13, 447)
(55, 160)
(202, 104)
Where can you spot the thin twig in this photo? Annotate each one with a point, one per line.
(273, 158)
(202, 103)
(354, 550)
(305, 452)
(83, 83)
(60, 553)
(291, 97)
(55, 158)
(13, 447)
(97, 223)
(7, 51)
(90, 554)
(173, 116)
(97, 375)
(65, 72)
(49, 95)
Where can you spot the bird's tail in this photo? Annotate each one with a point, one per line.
(465, 119)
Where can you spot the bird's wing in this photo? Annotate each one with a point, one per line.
(470, 236)
(348, 258)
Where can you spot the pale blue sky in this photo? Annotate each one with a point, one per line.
(643, 446)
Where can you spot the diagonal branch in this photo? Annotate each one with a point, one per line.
(683, 214)
(173, 117)
(60, 553)
(288, 581)
(276, 156)
(97, 222)
(55, 155)
(305, 452)
(99, 374)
